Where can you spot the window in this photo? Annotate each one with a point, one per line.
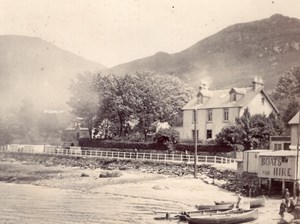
(263, 100)
(193, 134)
(284, 159)
(277, 146)
(209, 115)
(233, 96)
(226, 114)
(209, 134)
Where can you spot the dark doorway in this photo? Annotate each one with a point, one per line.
(208, 134)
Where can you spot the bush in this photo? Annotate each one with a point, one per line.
(98, 143)
(166, 136)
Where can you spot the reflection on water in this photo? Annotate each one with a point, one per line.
(33, 204)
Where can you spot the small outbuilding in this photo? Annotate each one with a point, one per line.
(251, 160)
(279, 166)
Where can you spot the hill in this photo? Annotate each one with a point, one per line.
(232, 56)
(34, 69)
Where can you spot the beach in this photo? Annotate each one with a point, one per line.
(65, 194)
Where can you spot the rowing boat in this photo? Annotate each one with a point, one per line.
(219, 207)
(255, 203)
(182, 216)
(234, 217)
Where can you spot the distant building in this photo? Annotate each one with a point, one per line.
(72, 134)
(216, 109)
(280, 142)
(295, 133)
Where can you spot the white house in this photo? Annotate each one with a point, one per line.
(217, 108)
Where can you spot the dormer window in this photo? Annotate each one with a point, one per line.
(236, 93)
(233, 97)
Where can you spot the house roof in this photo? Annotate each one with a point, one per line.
(239, 90)
(295, 119)
(221, 99)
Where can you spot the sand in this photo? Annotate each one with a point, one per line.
(186, 190)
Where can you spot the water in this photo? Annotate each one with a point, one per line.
(35, 204)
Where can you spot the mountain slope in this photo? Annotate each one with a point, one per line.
(232, 56)
(37, 70)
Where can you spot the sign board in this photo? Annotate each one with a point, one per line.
(280, 167)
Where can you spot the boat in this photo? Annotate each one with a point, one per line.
(234, 217)
(219, 207)
(182, 216)
(254, 203)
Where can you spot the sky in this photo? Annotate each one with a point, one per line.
(112, 32)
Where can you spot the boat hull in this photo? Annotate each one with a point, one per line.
(227, 218)
(220, 207)
(255, 203)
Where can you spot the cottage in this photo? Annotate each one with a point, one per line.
(214, 109)
(74, 133)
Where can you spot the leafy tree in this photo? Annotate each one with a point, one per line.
(141, 98)
(287, 95)
(84, 99)
(249, 131)
(292, 108)
(261, 130)
(230, 136)
(117, 100)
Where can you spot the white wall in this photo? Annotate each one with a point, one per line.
(257, 107)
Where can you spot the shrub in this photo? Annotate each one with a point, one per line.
(166, 136)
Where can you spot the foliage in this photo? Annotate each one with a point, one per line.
(166, 136)
(84, 99)
(287, 95)
(48, 125)
(96, 143)
(133, 102)
(249, 131)
(230, 136)
(27, 125)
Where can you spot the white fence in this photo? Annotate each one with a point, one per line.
(76, 151)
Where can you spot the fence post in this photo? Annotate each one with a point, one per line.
(215, 159)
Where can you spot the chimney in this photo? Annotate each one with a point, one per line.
(257, 83)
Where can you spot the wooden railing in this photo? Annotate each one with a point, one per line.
(180, 158)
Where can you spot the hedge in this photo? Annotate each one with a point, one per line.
(147, 146)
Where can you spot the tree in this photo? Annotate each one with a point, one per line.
(244, 125)
(287, 95)
(85, 98)
(141, 98)
(249, 131)
(230, 136)
(261, 130)
(117, 100)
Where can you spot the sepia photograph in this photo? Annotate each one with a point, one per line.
(149, 111)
